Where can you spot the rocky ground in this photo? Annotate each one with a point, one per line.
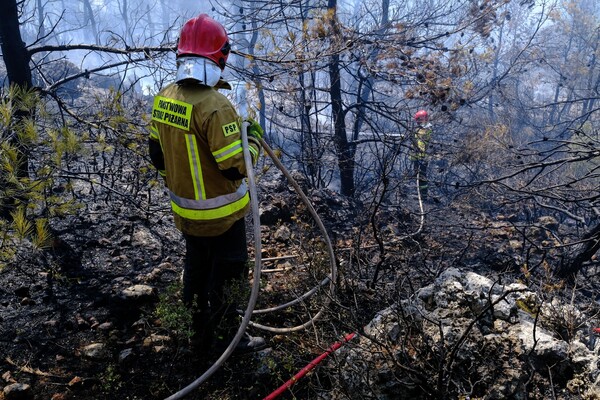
(98, 316)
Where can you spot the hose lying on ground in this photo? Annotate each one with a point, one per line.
(331, 279)
(255, 284)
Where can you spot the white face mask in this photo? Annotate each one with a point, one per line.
(198, 68)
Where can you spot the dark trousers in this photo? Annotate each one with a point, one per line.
(214, 277)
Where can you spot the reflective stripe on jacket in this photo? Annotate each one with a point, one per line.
(199, 133)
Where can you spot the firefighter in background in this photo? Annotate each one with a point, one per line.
(419, 154)
(195, 143)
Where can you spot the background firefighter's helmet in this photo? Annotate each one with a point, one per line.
(202, 36)
(421, 116)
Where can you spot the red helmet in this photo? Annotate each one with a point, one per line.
(421, 116)
(204, 37)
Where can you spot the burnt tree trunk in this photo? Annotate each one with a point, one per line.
(16, 58)
(15, 54)
(345, 151)
(578, 254)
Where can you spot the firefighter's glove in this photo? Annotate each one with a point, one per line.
(255, 130)
(255, 133)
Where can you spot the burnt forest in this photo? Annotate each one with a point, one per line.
(425, 211)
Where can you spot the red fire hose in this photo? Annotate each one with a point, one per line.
(309, 367)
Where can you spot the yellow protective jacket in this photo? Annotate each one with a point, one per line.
(421, 142)
(195, 143)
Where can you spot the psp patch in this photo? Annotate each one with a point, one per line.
(230, 128)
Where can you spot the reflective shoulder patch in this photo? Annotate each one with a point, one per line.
(230, 128)
(172, 112)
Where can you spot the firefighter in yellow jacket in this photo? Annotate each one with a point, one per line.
(419, 154)
(195, 143)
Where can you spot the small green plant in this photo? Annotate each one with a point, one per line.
(529, 306)
(111, 380)
(173, 314)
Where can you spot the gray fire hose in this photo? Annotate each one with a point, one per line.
(255, 284)
(331, 279)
